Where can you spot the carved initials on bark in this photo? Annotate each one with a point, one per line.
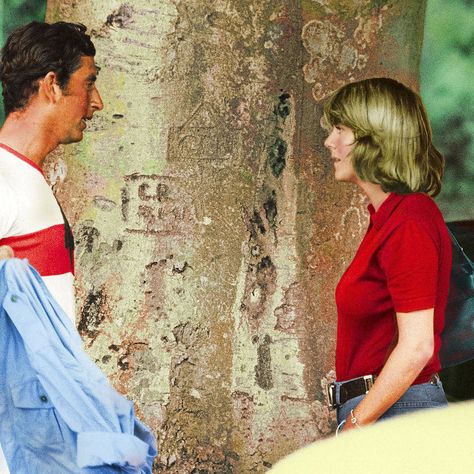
(153, 204)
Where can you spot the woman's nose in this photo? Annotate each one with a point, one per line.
(328, 141)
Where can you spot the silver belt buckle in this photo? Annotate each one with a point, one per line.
(434, 379)
(330, 395)
(369, 381)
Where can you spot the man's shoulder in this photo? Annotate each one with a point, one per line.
(8, 207)
(5, 186)
(7, 190)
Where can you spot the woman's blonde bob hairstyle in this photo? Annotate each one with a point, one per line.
(392, 135)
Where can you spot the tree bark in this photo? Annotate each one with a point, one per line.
(210, 231)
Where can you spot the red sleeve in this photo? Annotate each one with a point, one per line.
(409, 259)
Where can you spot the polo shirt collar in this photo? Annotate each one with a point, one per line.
(378, 218)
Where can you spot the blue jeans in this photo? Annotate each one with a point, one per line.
(417, 397)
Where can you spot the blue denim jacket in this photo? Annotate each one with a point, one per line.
(58, 413)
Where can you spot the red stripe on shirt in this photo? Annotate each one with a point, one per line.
(44, 249)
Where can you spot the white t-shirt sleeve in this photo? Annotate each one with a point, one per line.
(3, 463)
(8, 208)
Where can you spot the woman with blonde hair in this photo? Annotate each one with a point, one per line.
(392, 297)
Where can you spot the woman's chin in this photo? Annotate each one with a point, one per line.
(341, 178)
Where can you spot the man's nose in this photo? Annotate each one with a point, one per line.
(96, 101)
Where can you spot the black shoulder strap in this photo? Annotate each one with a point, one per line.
(68, 237)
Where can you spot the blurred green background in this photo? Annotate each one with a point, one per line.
(14, 13)
(18, 12)
(447, 86)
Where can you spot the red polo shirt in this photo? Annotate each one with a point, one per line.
(403, 264)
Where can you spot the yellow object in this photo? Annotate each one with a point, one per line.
(434, 441)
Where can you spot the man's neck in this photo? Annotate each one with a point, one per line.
(28, 135)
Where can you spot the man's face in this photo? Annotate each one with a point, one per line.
(79, 102)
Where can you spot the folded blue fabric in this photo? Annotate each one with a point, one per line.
(58, 412)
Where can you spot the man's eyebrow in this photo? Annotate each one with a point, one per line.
(93, 77)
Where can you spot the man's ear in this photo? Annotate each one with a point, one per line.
(50, 88)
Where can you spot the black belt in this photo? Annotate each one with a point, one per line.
(354, 388)
(347, 390)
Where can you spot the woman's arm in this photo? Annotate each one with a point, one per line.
(410, 355)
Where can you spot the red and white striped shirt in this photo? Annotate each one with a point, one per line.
(32, 223)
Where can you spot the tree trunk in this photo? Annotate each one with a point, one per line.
(210, 231)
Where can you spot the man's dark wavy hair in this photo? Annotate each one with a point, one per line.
(33, 50)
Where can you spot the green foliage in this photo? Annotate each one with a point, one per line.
(14, 13)
(447, 71)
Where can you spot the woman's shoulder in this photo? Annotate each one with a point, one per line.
(420, 211)
(419, 206)
(420, 199)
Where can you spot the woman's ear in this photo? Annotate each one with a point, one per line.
(49, 88)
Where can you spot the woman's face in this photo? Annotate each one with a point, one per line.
(340, 143)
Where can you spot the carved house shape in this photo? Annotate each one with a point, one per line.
(198, 138)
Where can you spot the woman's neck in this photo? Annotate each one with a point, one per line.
(374, 192)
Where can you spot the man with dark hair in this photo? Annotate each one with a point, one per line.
(34, 50)
(48, 76)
